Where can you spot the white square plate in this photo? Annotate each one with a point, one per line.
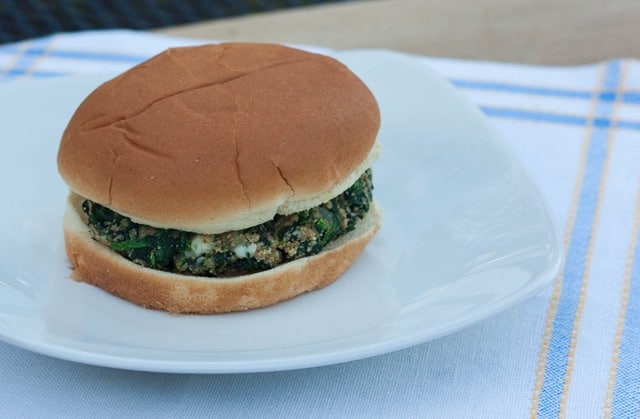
(465, 235)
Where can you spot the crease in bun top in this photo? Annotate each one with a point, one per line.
(220, 177)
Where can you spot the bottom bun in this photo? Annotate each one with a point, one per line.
(98, 265)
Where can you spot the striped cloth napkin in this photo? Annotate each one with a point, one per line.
(576, 130)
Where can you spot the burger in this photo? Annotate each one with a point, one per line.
(220, 178)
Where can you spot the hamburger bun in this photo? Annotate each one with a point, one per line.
(215, 139)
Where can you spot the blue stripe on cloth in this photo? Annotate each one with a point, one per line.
(538, 116)
(606, 95)
(14, 73)
(631, 97)
(23, 60)
(76, 55)
(628, 125)
(515, 88)
(574, 270)
(534, 115)
(626, 393)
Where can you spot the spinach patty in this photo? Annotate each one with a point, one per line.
(233, 253)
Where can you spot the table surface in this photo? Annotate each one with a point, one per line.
(524, 31)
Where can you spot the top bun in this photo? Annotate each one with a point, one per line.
(221, 137)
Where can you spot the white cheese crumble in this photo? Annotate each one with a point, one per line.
(199, 247)
(243, 251)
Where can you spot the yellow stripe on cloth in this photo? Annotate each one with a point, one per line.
(552, 309)
(589, 256)
(558, 347)
(622, 310)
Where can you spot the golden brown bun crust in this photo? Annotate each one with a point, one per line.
(217, 137)
(96, 264)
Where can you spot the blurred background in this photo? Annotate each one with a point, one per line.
(549, 32)
(22, 19)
